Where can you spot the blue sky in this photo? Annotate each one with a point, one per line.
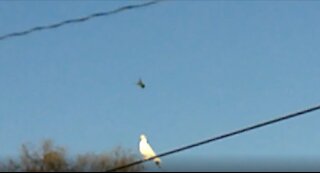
(210, 67)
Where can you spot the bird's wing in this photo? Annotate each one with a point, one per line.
(146, 150)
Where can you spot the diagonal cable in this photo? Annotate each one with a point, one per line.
(77, 20)
(233, 133)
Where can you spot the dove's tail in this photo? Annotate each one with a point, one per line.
(157, 161)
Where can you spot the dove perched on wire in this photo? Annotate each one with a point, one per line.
(141, 84)
(146, 150)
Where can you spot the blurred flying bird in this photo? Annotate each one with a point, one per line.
(141, 84)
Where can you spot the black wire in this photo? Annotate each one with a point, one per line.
(78, 20)
(292, 115)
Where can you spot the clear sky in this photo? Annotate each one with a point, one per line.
(209, 67)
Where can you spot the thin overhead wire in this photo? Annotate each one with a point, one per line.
(77, 20)
(233, 133)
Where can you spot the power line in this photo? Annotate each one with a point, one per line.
(233, 133)
(77, 20)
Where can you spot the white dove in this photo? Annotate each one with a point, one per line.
(146, 150)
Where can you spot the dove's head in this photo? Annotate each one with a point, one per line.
(143, 137)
